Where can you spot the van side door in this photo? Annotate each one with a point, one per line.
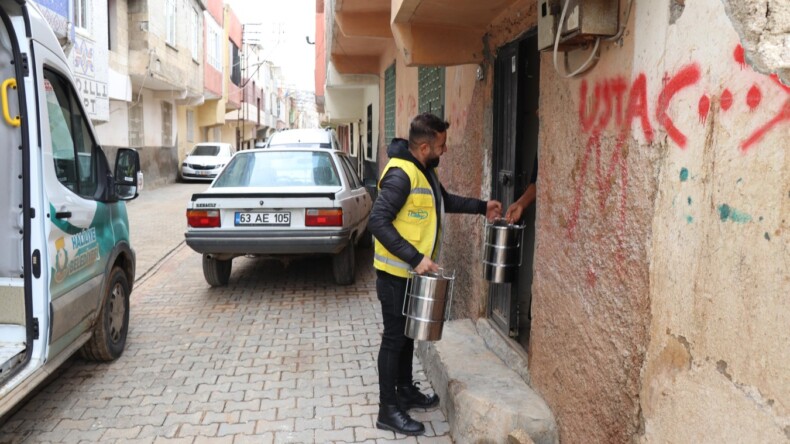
(80, 233)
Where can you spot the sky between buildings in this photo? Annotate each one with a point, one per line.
(284, 25)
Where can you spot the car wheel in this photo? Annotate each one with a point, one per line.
(216, 272)
(343, 266)
(109, 332)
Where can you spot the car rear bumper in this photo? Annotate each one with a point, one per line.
(268, 242)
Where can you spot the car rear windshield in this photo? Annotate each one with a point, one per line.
(205, 150)
(303, 139)
(279, 169)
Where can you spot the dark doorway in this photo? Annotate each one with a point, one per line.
(516, 124)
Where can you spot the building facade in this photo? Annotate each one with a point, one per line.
(651, 297)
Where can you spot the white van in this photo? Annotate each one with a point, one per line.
(66, 265)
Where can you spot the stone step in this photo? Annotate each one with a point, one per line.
(484, 399)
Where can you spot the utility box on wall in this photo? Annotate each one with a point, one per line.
(584, 21)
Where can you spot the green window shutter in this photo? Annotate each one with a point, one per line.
(431, 90)
(389, 104)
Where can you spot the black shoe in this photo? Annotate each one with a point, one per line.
(392, 418)
(410, 397)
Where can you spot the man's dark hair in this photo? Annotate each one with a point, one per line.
(425, 127)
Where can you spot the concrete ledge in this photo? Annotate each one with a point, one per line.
(483, 399)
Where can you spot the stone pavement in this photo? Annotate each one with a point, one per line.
(281, 354)
(157, 220)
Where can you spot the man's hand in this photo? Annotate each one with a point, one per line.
(426, 265)
(514, 211)
(493, 210)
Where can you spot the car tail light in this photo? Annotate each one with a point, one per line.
(203, 218)
(324, 218)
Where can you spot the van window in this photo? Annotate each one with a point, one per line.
(72, 142)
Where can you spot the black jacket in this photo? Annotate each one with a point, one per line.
(395, 187)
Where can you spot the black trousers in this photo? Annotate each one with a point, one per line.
(397, 350)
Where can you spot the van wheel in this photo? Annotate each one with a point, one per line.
(343, 266)
(216, 272)
(109, 332)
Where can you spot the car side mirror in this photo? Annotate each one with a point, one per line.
(127, 172)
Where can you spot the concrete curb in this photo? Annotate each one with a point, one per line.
(483, 399)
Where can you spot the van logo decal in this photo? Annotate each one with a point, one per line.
(84, 252)
(418, 214)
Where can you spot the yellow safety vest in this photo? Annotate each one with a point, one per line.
(416, 222)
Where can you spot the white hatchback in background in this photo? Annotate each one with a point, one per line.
(280, 202)
(206, 160)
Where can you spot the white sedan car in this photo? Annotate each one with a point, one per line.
(280, 202)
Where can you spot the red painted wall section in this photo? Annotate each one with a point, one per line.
(212, 78)
(234, 27)
(320, 49)
(215, 9)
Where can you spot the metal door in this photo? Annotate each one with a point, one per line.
(501, 303)
(516, 99)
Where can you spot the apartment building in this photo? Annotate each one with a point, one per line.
(648, 306)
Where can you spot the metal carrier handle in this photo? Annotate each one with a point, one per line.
(487, 223)
(441, 274)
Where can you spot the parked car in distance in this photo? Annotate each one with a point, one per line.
(280, 202)
(206, 160)
(305, 137)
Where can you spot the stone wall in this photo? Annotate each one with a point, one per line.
(159, 164)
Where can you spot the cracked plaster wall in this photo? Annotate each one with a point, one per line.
(764, 30)
(660, 306)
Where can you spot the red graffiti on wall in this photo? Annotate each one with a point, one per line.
(687, 76)
(754, 97)
(606, 102)
(703, 107)
(411, 106)
(408, 105)
(726, 100)
(753, 100)
(612, 104)
(457, 117)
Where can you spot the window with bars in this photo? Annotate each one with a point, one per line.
(195, 38)
(431, 90)
(136, 122)
(170, 18)
(213, 47)
(167, 124)
(82, 14)
(190, 126)
(389, 104)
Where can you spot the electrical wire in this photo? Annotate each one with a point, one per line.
(622, 28)
(586, 65)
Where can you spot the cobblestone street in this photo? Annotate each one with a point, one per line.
(281, 354)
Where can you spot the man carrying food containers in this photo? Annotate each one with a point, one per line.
(406, 222)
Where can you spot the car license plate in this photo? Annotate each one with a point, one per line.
(264, 218)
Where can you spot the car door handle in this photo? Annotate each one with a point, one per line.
(63, 215)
